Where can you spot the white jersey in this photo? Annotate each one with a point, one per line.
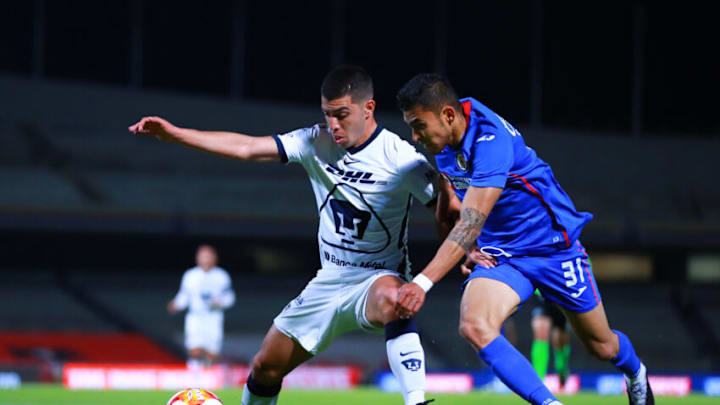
(363, 195)
(199, 289)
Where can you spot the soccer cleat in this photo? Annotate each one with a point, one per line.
(555, 403)
(638, 388)
(426, 402)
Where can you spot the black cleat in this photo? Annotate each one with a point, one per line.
(426, 402)
(639, 391)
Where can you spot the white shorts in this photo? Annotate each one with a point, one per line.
(331, 304)
(204, 332)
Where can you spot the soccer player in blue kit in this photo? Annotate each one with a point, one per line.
(513, 209)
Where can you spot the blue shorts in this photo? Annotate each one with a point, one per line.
(564, 277)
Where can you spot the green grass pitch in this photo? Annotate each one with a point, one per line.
(33, 394)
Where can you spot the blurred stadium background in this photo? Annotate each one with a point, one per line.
(97, 226)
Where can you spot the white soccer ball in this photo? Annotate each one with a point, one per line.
(194, 396)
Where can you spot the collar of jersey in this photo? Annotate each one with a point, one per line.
(356, 149)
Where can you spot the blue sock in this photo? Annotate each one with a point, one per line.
(626, 360)
(515, 371)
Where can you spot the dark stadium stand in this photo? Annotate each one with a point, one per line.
(38, 303)
(88, 165)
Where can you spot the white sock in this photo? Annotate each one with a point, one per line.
(407, 362)
(248, 398)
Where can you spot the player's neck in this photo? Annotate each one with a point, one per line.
(458, 130)
(370, 128)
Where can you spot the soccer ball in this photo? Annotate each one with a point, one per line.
(194, 396)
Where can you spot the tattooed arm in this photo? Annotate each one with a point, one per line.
(476, 207)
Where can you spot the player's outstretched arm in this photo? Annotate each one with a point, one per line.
(476, 207)
(229, 144)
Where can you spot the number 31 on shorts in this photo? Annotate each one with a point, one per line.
(570, 275)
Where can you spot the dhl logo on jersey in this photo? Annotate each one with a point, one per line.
(353, 176)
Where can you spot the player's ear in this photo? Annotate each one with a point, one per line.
(448, 114)
(369, 107)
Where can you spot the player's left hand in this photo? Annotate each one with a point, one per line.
(476, 256)
(411, 298)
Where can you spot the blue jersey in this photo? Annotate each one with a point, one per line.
(533, 215)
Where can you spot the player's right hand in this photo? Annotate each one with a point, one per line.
(171, 308)
(477, 257)
(155, 126)
(410, 299)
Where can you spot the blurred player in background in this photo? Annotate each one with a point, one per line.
(364, 178)
(550, 328)
(512, 208)
(205, 291)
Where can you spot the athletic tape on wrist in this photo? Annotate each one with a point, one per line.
(423, 282)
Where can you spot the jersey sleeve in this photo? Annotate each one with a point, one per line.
(182, 298)
(296, 145)
(418, 175)
(226, 298)
(492, 159)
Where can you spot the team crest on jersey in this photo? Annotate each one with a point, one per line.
(461, 161)
(351, 219)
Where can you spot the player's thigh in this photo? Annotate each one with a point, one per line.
(485, 305)
(214, 338)
(195, 335)
(278, 355)
(311, 319)
(380, 305)
(494, 294)
(488, 299)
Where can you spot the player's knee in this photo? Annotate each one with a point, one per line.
(265, 371)
(388, 307)
(385, 306)
(478, 331)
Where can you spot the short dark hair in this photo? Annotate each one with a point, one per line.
(430, 91)
(347, 80)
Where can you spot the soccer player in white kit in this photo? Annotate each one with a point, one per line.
(364, 178)
(205, 291)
